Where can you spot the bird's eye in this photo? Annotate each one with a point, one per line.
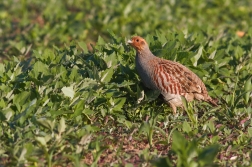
(137, 40)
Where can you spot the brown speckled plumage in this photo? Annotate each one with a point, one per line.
(172, 79)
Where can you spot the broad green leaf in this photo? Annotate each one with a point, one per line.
(40, 67)
(22, 98)
(161, 37)
(2, 69)
(93, 73)
(78, 108)
(125, 84)
(22, 155)
(211, 125)
(128, 8)
(186, 127)
(182, 56)
(197, 56)
(208, 154)
(145, 127)
(85, 139)
(42, 141)
(250, 132)
(68, 91)
(48, 54)
(238, 52)
(111, 60)
(88, 83)
(83, 46)
(212, 55)
(6, 114)
(248, 90)
(100, 41)
(37, 54)
(74, 75)
(178, 141)
(118, 103)
(62, 125)
(106, 75)
(46, 123)
(88, 111)
(27, 109)
(2, 103)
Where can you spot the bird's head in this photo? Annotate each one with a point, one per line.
(138, 43)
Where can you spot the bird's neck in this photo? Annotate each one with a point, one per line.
(145, 53)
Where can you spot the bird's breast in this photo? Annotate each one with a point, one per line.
(144, 69)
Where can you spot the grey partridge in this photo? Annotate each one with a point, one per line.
(172, 79)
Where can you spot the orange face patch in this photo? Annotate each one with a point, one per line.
(137, 42)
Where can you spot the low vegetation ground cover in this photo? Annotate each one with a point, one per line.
(65, 102)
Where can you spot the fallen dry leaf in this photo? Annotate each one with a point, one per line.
(240, 33)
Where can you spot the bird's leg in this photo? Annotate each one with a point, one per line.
(174, 108)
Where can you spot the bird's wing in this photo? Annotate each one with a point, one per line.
(174, 78)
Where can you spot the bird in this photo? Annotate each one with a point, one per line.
(170, 78)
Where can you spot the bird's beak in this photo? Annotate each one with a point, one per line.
(129, 41)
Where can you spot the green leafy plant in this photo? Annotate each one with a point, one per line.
(188, 154)
(70, 95)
